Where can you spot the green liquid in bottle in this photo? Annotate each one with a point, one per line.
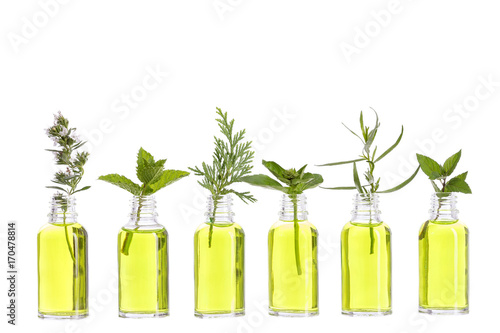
(291, 293)
(219, 270)
(62, 271)
(143, 273)
(443, 261)
(366, 269)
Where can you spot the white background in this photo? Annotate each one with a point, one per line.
(419, 67)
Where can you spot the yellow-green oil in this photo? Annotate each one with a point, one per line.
(143, 272)
(366, 268)
(219, 270)
(291, 293)
(443, 261)
(62, 271)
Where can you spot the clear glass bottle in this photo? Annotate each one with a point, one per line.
(143, 263)
(443, 245)
(219, 263)
(366, 260)
(62, 263)
(293, 261)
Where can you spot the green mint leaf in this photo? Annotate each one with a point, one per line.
(276, 170)
(392, 147)
(430, 167)
(462, 176)
(403, 184)
(313, 180)
(150, 173)
(122, 182)
(343, 162)
(436, 188)
(166, 178)
(451, 163)
(264, 181)
(356, 179)
(457, 185)
(144, 157)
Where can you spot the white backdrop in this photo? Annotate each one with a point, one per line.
(150, 73)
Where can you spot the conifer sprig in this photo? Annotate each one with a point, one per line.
(232, 159)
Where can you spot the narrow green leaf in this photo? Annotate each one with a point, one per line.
(430, 167)
(301, 170)
(356, 179)
(362, 124)
(344, 162)
(350, 130)
(57, 188)
(403, 184)
(274, 168)
(392, 147)
(122, 182)
(457, 185)
(264, 181)
(167, 177)
(436, 188)
(451, 163)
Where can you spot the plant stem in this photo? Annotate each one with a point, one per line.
(372, 236)
(212, 221)
(67, 235)
(296, 234)
(128, 237)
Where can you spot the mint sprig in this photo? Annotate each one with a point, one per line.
(441, 174)
(152, 175)
(293, 182)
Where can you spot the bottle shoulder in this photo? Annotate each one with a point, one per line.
(219, 227)
(304, 224)
(377, 225)
(158, 229)
(433, 225)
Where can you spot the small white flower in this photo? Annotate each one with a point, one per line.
(64, 131)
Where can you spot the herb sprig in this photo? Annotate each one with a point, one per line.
(232, 159)
(441, 173)
(67, 156)
(367, 137)
(153, 177)
(65, 138)
(295, 182)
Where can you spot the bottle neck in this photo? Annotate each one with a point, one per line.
(443, 207)
(365, 210)
(143, 211)
(62, 210)
(293, 208)
(220, 210)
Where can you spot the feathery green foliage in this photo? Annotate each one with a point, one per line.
(232, 159)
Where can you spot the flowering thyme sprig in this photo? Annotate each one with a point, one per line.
(65, 138)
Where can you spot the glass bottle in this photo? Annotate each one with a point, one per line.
(293, 261)
(143, 263)
(219, 263)
(366, 260)
(62, 263)
(443, 245)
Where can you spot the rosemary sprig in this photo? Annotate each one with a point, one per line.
(296, 182)
(232, 159)
(66, 155)
(367, 137)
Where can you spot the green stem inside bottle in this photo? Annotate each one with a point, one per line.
(296, 234)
